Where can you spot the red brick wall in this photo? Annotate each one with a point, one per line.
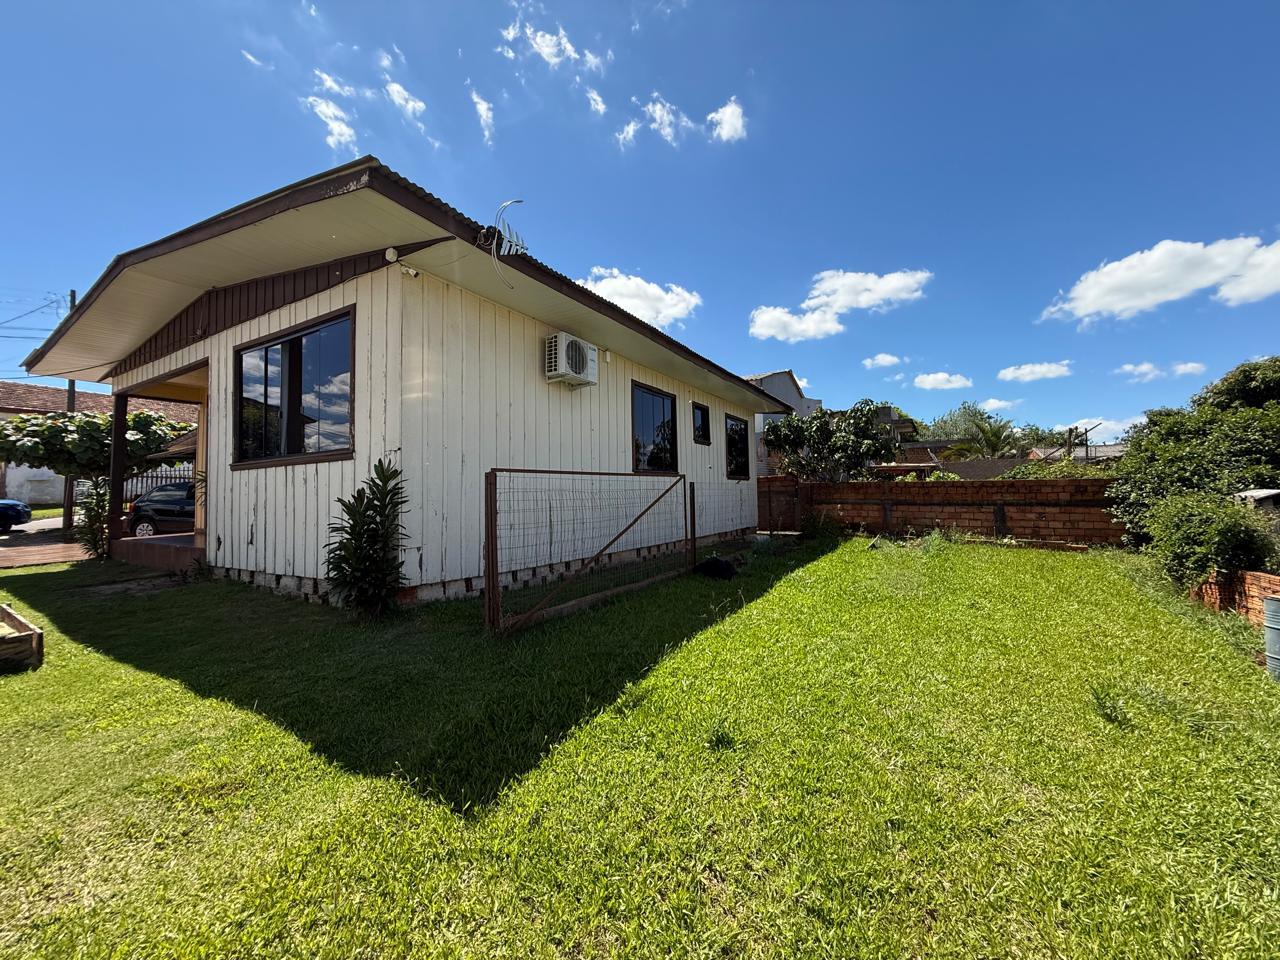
(1066, 510)
(1243, 592)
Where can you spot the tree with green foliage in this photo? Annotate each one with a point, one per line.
(993, 439)
(1253, 384)
(959, 424)
(1033, 435)
(79, 444)
(830, 445)
(1060, 470)
(1206, 449)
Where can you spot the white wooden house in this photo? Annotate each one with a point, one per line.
(353, 316)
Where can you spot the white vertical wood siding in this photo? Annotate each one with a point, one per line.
(475, 397)
(448, 384)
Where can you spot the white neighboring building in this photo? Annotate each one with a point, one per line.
(784, 385)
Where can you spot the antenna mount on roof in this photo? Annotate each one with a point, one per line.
(502, 240)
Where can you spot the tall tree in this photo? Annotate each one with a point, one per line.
(958, 424)
(79, 444)
(1252, 384)
(996, 438)
(830, 445)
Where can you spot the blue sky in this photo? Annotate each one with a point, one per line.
(1014, 201)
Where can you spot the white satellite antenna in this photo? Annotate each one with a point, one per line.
(504, 241)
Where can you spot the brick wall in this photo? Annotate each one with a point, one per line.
(1242, 592)
(1073, 511)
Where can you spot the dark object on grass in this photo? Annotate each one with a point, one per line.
(874, 544)
(717, 568)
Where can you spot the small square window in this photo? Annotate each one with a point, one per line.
(701, 424)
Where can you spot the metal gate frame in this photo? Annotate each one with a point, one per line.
(493, 616)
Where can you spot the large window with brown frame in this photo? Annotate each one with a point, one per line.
(653, 429)
(737, 448)
(294, 394)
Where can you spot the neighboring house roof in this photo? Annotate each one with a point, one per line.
(349, 210)
(182, 447)
(982, 468)
(37, 398)
(778, 382)
(1258, 496)
(924, 451)
(1095, 451)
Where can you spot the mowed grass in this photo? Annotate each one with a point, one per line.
(943, 750)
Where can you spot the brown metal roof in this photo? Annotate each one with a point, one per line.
(37, 398)
(370, 172)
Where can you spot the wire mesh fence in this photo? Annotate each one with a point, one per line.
(558, 540)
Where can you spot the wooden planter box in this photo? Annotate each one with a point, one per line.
(21, 643)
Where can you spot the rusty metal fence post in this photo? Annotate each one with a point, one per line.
(492, 591)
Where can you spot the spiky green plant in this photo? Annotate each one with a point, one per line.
(363, 562)
(93, 511)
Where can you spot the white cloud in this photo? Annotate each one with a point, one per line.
(1102, 429)
(1027, 372)
(255, 61)
(407, 103)
(399, 53)
(728, 123)
(511, 30)
(627, 135)
(311, 10)
(881, 360)
(665, 118)
(802, 382)
(332, 84)
(596, 101)
(942, 381)
(1143, 372)
(341, 135)
(384, 60)
(592, 63)
(1189, 368)
(993, 405)
(551, 47)
(1242, 270)
(505, 51)
(643, 298)
(896, 378)
(833, 294)
(484, 112)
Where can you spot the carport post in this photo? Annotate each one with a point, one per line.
(119, 455)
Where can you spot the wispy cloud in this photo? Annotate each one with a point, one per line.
(1188, 368)
(596, 102)
(554, 48)
(592, 63)
(833, 294)
(484, 112)
(627, 135)
(341, 135)
(1239, 270)
(1030, 372)
(410, 106)
(331, 84)
(942, 381)
(665, 118)
(651, 302)
(728, 123)
(255, 61)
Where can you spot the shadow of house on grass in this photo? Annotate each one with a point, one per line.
(428, 696)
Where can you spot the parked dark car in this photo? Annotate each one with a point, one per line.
(13, 513)
(168, 508)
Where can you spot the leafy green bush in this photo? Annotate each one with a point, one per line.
(93, 509)
(1193, 534)
(1252, 384)
(942, 475)
(1205, 449)
(79, 444)
(363, 563)
(906, 478)
(1059, 470)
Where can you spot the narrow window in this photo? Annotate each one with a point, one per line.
(653, 430)
(295, 394)
(737, 448)
(701, 424)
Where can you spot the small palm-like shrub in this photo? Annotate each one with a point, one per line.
(1193, 534)
(363, 563)
(90, 528)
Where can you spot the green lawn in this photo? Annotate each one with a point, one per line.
(45, 513)
(944, 750)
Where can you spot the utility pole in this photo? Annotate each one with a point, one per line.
(69, 483)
